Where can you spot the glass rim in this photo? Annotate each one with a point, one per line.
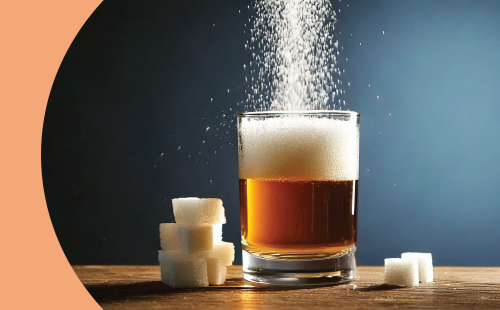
(298, 112)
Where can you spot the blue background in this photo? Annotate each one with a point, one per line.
(142, 79)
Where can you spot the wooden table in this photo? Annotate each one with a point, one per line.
(139, 287)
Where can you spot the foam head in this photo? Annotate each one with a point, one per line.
(194, 239)
(169, 237)
(425, 269)
(195, 211)
(224, 251)
(216, 271)
(299, 148)
(402, 272)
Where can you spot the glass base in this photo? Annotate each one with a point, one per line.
(299, 272)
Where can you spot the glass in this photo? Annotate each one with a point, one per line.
(298, 183)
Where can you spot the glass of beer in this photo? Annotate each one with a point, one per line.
(298, 174)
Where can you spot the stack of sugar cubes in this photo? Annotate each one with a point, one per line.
(192, 251)
(409, 270)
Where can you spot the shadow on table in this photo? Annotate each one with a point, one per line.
(116, 292)
(380, 287)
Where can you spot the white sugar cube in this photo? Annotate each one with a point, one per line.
(217, 232)
(224, 251)
(194, 239)
(196, 211)
(216, 271)
(425, 272)
(164, 256)
(186, 273)
(169, 237)
(402, 272)
(182, 270)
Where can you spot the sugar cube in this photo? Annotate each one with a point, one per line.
(425, 272)
(195, 211)
(224, 251)
(216, 271)
(190, 274)
(217, 232)
(186, 273)
(163, 273)
(169, 237)
(164, 256)
(194, 239)
(402, 272)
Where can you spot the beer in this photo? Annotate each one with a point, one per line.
(298, 184)
(301, 219)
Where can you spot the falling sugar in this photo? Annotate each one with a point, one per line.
(294, 55)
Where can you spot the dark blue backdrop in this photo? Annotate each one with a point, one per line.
(143, 78)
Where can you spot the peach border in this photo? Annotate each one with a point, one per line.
(35, 36)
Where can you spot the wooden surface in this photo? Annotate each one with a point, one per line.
(139, 287)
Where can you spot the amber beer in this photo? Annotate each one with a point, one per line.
(298, 219)
(298, 184)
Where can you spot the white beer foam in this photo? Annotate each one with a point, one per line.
(299, 148)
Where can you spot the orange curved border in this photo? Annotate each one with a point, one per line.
(35, 36)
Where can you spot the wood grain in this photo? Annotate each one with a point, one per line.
(139, 287)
